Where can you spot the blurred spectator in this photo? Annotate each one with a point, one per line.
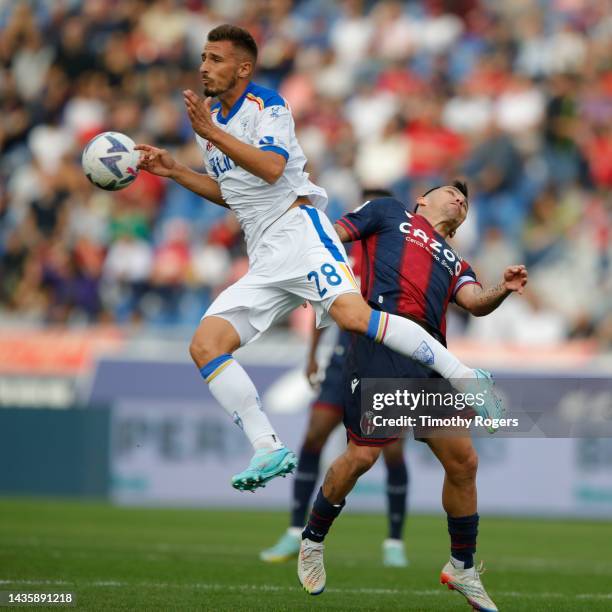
(562, 131)
(469, 111)
(72, 55)
(434, 148)
(520, 108)
(126, 273)
(351, 34)
(496, 171)
(382, 160)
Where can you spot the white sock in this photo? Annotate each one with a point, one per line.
(410, 339)
(235, 391)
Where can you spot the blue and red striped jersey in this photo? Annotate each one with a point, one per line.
(407, 267)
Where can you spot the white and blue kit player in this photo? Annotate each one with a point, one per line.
(255, 167)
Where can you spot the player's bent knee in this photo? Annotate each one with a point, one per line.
(362, 458)
(203, 352)
(198, 352)
(464, 467)
(214, 337)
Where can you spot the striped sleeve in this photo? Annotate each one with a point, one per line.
(467, 276)
(363, 221)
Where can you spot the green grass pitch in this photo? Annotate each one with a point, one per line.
(164, 559)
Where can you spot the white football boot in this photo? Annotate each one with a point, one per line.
(311, 571)
(467, 582)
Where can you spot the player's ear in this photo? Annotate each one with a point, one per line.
(421, 201)
(245, 69)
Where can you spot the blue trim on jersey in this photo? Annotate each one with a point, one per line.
(211, 366)
(328, 243)
(275, 149)
(235, 108)
(373, 325)
(269, 96)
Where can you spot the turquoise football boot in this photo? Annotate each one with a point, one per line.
(493, 407)
(265, 465)
(285, 549)
(394, 553)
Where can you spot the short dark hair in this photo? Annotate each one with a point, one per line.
(370, 193)
(460, 185)
(239, 37)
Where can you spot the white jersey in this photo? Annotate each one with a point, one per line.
(261, 118)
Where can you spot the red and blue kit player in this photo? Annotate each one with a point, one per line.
(326, 414)
(409, 269)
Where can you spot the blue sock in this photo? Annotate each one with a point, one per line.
(463, 531)
(397, 491)
(321, 517)
(304, 484)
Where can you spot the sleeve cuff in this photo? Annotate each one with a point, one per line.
(468, 281)
(274, 149)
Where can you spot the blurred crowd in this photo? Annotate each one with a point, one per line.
(516, 96)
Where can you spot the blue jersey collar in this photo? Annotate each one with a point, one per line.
(235, 108)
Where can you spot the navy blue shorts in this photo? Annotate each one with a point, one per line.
(331, 395)
(368, 359)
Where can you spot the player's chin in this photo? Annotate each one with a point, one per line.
(211, 93)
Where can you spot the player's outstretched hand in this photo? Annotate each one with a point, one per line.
(515, 278)
(199, 114)
(156, 161)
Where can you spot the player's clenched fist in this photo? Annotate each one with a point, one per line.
(515, 278)
(156, 161)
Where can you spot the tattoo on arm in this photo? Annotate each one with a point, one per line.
(489, 299)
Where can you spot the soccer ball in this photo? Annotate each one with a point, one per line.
(109, 161)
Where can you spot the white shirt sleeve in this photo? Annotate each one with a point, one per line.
(274, 129)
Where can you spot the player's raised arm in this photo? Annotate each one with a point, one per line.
(267, 165)
(160, 162)
(480, 302)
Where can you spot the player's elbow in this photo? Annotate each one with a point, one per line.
(478, 310)
(473, 307)
(274, 168)
(272, 177)
(274, 173)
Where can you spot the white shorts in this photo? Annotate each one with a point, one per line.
(299, 257)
